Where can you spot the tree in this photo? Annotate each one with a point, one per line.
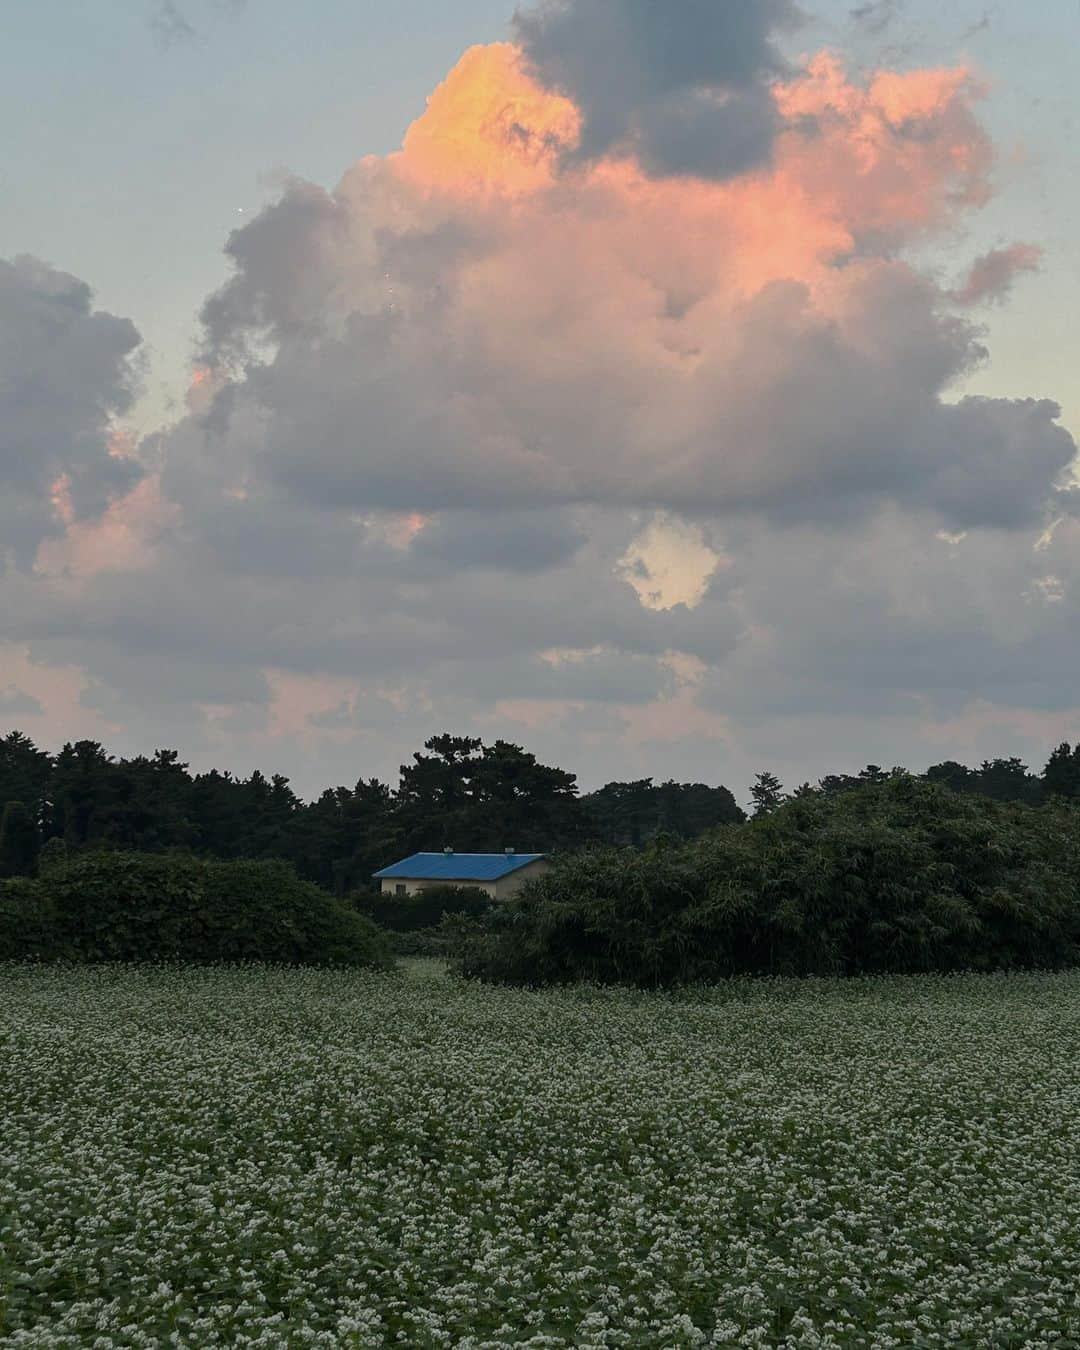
(345, 835)
(689, 809)
(433, 792)
(952, 775)
(85, 793)
(898, 876)
(767, 793)
(19, 842)
(623, 813)
(634, 812)
(517, 802)
(474, 797)
(1008, 780)
(25, 772)
(1061, 777)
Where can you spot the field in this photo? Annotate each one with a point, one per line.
(275, 1158)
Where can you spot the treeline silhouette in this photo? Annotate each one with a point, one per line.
(457, 792)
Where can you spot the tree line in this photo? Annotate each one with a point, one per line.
(457, 792)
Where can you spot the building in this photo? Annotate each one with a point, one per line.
(499, 874)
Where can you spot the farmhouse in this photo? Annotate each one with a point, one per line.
(499, 874)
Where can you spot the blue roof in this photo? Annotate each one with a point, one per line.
(458, 866)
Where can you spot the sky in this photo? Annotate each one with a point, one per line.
(677, 390)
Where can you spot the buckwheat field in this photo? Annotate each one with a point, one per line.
(278, 1158)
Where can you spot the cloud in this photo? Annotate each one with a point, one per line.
(991, 277)
(684, 85)
(17, 703)
(514, 541)
(876, 15)
(66, 372)
(172, 26)
(521, 431)
(461, 327)
(669, 563)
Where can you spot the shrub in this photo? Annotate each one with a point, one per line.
(25, 921)
(894, 877)
(54, 853)
(145, 907)
(425, 909)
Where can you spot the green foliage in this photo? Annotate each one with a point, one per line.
(634, 812)
(1061, 777)
(495, 796)
(19, 841)
(424, 909)
(1006, 780)
(54, 853)
(25, 921)
(898, 876)
(767, 793)
(145, 907)
(25, 773)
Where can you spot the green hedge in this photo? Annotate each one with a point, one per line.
(25, 927)
(898, 877)
(425, 909)
(148, 907)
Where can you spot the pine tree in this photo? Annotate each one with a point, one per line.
(767, 793)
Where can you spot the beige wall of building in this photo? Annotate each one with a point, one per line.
(498, 890)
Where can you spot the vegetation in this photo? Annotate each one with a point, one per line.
(898, 875)
(26, 932)
(18, 841)
(261, 1156)
(147, 907)
(425, 909)
(457, 792)
(882, 870)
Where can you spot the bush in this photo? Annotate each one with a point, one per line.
(425, 909)
(54, 853)
(25, 921)
(429, 942)
(901, 876)
(147, 907)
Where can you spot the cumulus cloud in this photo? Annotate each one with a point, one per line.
(684, 86)
(462, 326)
(66, 373)
(534, 428)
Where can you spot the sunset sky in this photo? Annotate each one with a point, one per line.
(676, 389)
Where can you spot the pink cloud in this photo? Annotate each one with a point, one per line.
(121, 539)
(992, 276)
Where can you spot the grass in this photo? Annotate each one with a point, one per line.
(269, 1157)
